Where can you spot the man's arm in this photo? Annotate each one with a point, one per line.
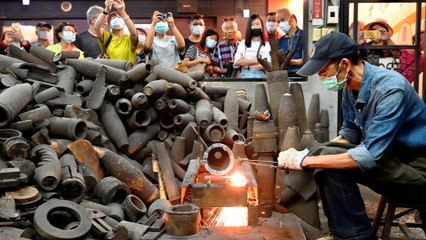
(121, 9)
(180, 41)
(336, 161)
(156, 17)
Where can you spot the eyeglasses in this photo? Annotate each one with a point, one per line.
(325, 70)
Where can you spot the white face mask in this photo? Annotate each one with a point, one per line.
(68, 36)
(285, 26)
(141, 39)
(43, 35)
(197, 30)
(211, 43)
(117, 23)
(271, 26)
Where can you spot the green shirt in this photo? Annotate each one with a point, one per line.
(57, 49)
(120, 48)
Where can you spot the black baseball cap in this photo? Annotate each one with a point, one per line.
(331, 46)
(44, 24)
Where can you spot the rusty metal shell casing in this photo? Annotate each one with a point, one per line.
(128, 93)
(113, 126)
(299, 99)
(260, 99)
(277, 86)
(197, 75)
(30, 58)
(139, 138)
(190, 135)
(181, 120)
(47, 94)
(84, 87)
(219, 159)
(325, 124)
(230, 108)
(203, 113)
(197, 94)
(264, 137)
(166, 120)
(48, 172)
(214, 133)
(174, 76)
(178, 106)
(292, 139)
(15, 147)
(161, 104)
(231, 136)
(220, 117)
(308, 140)
(89, 69)
(84, 153)
(176, 91)
(177, 152)
(73, 185)
(69, 128)
(318, 133)
(44, 54)
(244, 105)
(119, 64)
(182, 219)
(139, 72)
(123, 170)
(112, 93)
(155, 89)
(134, 207)
(215, 90)
(123, 106)
(111, 189)
(39, 113)
(314, 112)
(12, 101)
(66, 79)
(141, 118)
(286, 116)
(140, 101)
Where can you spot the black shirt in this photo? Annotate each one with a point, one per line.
(88, 43)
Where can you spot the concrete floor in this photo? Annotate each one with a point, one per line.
(288, 226)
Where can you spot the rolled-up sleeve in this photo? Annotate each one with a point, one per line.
(361, 154)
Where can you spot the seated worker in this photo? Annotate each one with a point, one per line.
(198, 57)
(168, 50)
(406, 60)
(65, 35)
(15, 37)
(118, 45)
(288, 24)
(380, 144)
(383, 38)
(246, 55)
(223, 55)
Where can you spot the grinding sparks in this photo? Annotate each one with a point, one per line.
(238, 180)
(230, 217)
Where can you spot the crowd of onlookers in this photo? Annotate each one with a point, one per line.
(203, 50)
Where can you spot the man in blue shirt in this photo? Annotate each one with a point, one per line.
(380, 144)
(287, 22)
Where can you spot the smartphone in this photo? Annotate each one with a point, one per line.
(16, 26)
(372, 34)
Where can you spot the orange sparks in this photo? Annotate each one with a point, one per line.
(238, 180)
(229, 217)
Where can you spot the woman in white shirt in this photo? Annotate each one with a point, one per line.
(245, 57)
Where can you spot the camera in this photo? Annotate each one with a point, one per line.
(164, 16)
(373, 34)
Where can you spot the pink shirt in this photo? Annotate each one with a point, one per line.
(407, 66)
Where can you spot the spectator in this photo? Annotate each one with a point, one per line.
(43, 34)
(272, 26)
(168, 50)
(117, 45)
(406, 60)
(65, 35)
(293, 34)
(360, 39)
(383, 39)
(223, 55)
(197, 27)
(380, 144)
(246, 56)
(87, 40)
(140, 55)
(15, 37)
(198, 57)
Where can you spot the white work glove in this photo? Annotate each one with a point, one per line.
(292, 159)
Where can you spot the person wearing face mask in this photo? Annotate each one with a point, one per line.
(197, 27)
(246, 55)
(272, 26)
(87, 40)
(65, 35)
(168, 50)
(140, 54)
(43, 34)
(288, 42)
(117, 45)
(380, 144)
(198, 57)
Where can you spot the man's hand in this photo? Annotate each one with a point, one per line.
(292, 159)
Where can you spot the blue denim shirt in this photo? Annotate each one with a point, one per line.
(392, 112)
(285, 43)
